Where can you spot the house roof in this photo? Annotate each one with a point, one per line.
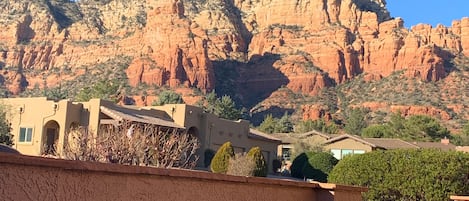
(436, 145)
(120, 113)
(255, 134)
(391, 143)
(286, 138)
(314, 132)
(291, 138)
(354, 137)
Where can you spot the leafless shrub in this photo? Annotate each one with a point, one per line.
(135, 144)
(241, 165)
(81, 144)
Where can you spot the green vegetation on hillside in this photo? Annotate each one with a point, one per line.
(276, 125)
(223, 107)
(168, 97)
(105, 80)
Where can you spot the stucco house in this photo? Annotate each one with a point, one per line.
(40, 125)
(290, 139)
(346, 144)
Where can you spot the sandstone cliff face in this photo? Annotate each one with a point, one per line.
(167, 48)
(174, 42)
(303, 45)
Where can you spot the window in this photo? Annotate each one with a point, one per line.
(341, 153)
(26, 134)
(346, 152)
(358, 151)
(286, 154)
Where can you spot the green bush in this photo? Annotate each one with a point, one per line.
(319, 165)
(406, 174)
(297, 165)
(260, 169)
(168, 97)
(222, 158)
(5, 128)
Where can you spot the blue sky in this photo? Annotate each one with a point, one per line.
(428, 11)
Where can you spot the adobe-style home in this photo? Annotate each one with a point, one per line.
(40, 125)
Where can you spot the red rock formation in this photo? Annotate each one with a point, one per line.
(176, 43)
(315, 112)
(421, 110)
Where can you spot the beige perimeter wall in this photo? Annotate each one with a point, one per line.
(25, 178)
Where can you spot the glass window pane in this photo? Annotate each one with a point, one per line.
(29, 135)
(358, 151)
(26, 134)
(22, 134)
(336, 153)
(346, 152)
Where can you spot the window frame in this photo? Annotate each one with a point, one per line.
(25, 138)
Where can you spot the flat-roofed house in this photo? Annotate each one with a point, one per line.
(39, 125)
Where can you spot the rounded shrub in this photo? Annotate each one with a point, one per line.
(426, 174)
(319, 165)
(297, 165)
(260, 168)
(222, 158)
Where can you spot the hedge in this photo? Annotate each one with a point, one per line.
(406, 174)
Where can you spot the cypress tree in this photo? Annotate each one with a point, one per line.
(260, 170)
(221, 159)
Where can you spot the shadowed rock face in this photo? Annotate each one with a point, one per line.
(184, 42)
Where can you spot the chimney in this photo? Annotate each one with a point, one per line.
(445, 141)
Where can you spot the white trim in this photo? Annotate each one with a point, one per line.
(32, 135)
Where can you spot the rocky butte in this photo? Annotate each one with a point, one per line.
(252, 49)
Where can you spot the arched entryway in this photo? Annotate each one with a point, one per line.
(51, 136)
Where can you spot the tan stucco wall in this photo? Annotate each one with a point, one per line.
(348, 144)
(36, 113)
(214, 131)
(211, 130)
(33, 178)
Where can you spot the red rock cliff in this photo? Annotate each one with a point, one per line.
(176, 42)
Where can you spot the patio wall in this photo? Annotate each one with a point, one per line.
(26, 178)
